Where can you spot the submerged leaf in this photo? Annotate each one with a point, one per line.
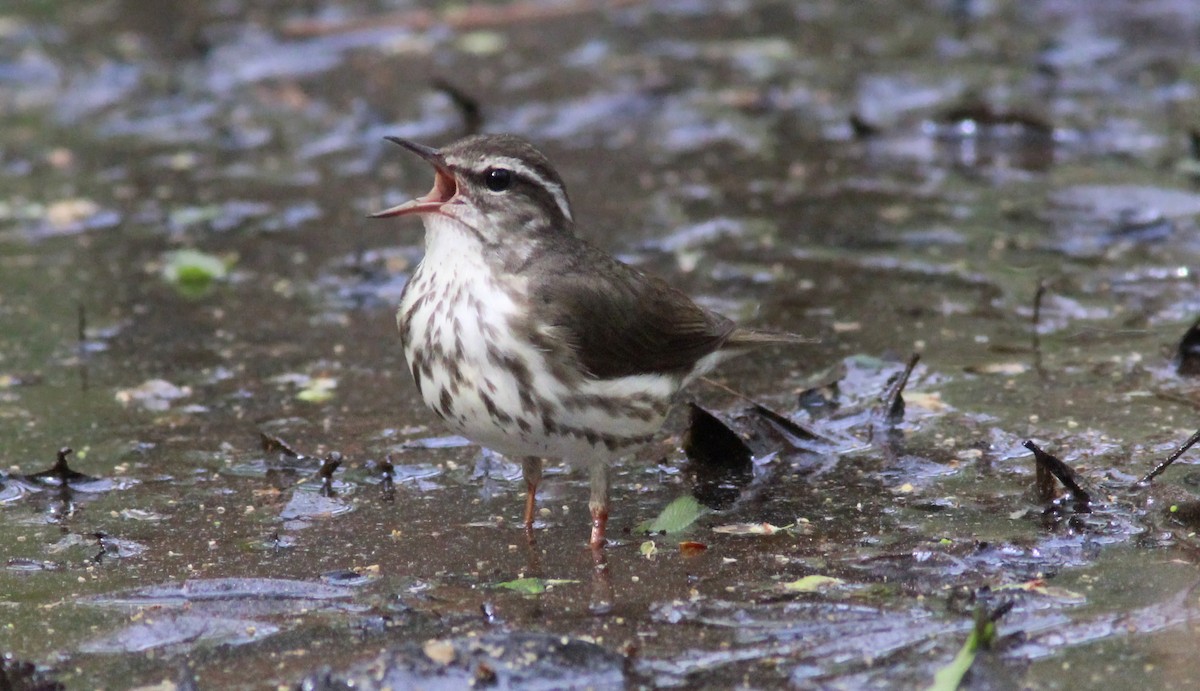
(533, 586)
(154, 394)
(750, 529)
(677, 516)
(441, 652)
(1038, 586)
(812, 584)
(319, 390)
(192, 271)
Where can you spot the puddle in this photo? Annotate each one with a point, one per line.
(196, 304)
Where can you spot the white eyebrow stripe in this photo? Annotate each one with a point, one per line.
(518, 166)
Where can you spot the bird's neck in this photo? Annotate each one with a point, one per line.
(450, 241)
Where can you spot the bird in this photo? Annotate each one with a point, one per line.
(533, 342)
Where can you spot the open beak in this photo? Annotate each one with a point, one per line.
(444, 185)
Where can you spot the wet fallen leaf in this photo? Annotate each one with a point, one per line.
(318, 390)
(154, 394)
(710, 442)
(65, 212)
(141, 515)
(180, 631)
(720, 459)
(1039, 587)
(311, 505)
(750, 529)
(441, 652)
(676, 517)
(812, 584)
(691, 548)
(533, 586)
(488, 660)
(193, 272)
(795, 433)
(1005, 368)
(482, 42)
(926, 400)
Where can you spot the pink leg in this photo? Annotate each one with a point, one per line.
(598, 502)
(531, 471)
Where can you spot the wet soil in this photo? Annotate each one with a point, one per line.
(1009, 189)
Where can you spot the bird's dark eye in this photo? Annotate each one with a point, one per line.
(498, 179)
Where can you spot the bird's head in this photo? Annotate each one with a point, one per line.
(497, 187)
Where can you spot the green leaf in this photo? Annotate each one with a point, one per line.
(319, 390)
(648, 549)
(533, 586)
(812, 584)
(678, 515)
(949, 677)
(192, 272)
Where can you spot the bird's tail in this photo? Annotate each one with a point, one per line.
(745, 338)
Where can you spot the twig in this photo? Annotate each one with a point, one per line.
(81, 346)
(1158, 469)
(1036, 321)
(1037, 308)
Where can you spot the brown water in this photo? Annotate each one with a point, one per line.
(891, 179)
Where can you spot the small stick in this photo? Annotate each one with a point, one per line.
(1037, 312)
(81, 347)
(1036, 321)
(1158, 469)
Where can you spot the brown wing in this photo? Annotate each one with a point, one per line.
(619, 321)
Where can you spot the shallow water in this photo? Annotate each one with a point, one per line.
(891, 180)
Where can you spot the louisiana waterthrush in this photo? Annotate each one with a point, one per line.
(530, 341)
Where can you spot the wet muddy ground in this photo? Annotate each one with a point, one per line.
(1009, 189)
